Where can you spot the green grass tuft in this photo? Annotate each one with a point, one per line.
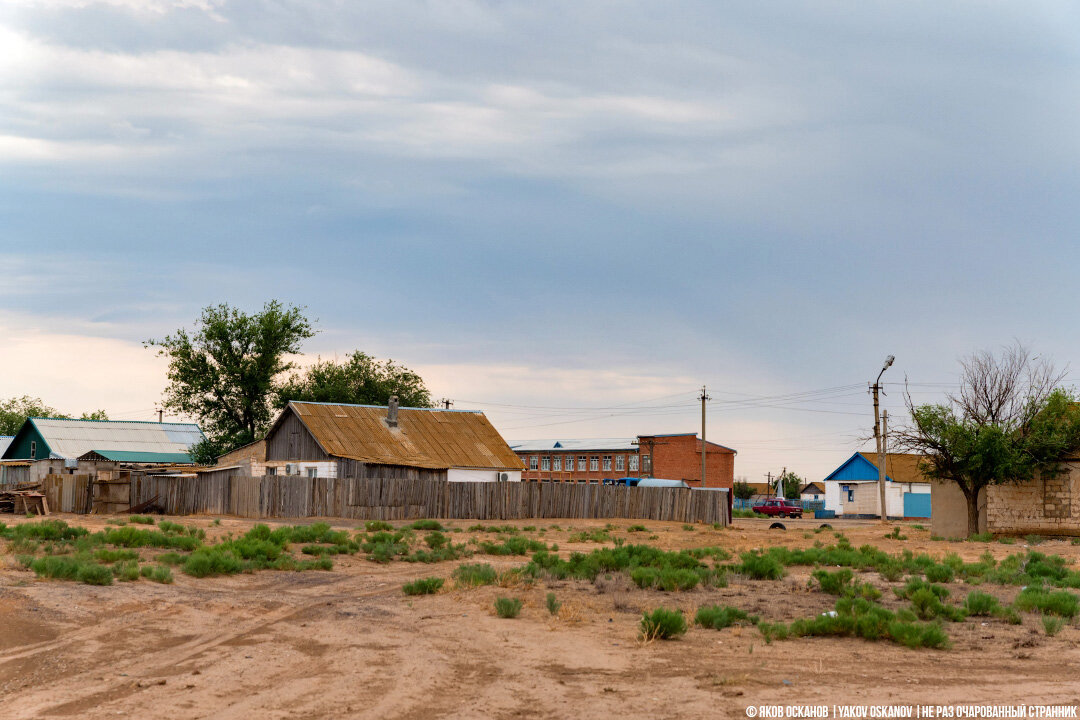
(423, 586)
(552, 603)
(141, 519)
(662, 624)
(507, 607)
(719, 617)
(474, 575)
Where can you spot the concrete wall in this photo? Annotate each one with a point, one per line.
(1041, 506)
(948, 510)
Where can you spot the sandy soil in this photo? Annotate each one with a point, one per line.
(348, 643)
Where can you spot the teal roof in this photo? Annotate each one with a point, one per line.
(134, 456)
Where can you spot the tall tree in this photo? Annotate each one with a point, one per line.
(790, 484)
(742, 490)
(1010, 421)
(14, 411)
(224, 372)
(360, 379)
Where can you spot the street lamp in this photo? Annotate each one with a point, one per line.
(880, 440)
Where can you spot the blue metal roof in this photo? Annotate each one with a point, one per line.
(856, 468)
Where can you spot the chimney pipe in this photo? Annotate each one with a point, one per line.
(391, 411)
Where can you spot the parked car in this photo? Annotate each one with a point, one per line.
(779, 508)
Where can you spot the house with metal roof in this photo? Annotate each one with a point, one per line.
(128, 441)
(358, 441)
(852, 489)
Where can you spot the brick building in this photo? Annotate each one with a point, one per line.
(673, 457)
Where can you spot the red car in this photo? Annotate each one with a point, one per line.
(779, 508)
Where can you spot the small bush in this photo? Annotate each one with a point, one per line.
(207, 562)
(171, 558)
(141, 519)
(1052, 625)
(939, 574)
(1034, 539)
(127, 571)
(157, 573)
(1061, 602)
(915, 584)
(928, 606)
(423, 586)
(596, 536)
(981, 537)
(427, 525)
(834, 583)
(507, 607)
(516, 545)
(662, 624)
(688, 527)
(981, 604)
(918, 636)
(92, 574)
(760, 567)
(637, 528)
(553, 604)
(112, 556)
(474, 575)
(895, 535)
(719, 617)
(378, 525)
(673, 579)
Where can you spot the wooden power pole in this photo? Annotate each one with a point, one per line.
(703, 399)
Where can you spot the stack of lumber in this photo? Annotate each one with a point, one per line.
(24, 498)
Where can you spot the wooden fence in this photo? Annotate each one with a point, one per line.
(291, 496)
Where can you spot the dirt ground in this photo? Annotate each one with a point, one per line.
(348, 644)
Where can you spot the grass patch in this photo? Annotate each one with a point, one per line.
(1061, 602)
(662, 624)
(981, 537)
(141, 519)
(981, 604)
(596, 536)
(760, 567)
(157, 573)
(1052, 625)
(378, 526)
(743, 513)
(427, 525)
(552, 604)
(508, 607)
(719, 617)
(515, 545)
(474, 575)
(857, 617)
(423, 586)
(637, 528)
(895, 535)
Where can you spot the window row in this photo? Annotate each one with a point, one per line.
(585, 463)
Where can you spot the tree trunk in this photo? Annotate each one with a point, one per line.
(972, 512)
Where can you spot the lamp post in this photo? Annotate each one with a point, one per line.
(876, 387)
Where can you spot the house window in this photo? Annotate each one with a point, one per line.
(646, 464)
(582, 463)
(850, 493)
(545, 463)
(33, 449)
(594, 464)
(633, 463)
(533, 459)
(312, 472)
(556, 462)
(271, 471)
(620, 463)
(607, 463)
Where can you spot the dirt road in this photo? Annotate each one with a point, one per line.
(348, 644)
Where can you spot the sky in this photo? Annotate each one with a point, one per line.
(570, 215)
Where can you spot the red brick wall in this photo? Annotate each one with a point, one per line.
(675, 457)
(678, 457)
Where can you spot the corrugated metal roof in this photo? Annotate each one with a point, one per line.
(72, 438)
(598, 444)
(136, 456)
(5, 440)
(899, 467)
(423, 438)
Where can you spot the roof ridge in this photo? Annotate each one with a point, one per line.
(142, 422)
(403, 407)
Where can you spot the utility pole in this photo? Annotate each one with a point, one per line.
(446, 403)
(876, 388)
(160, 414)
(703, 399)
(768, 481)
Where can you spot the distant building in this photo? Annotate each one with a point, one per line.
(673, 457)
(813, 492)
(852, 489)
(58, 445)
(358, 441)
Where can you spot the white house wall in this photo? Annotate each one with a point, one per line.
(463, 475)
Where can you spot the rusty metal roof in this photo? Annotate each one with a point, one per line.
(428, 438)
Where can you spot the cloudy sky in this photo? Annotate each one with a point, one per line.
(568, 214)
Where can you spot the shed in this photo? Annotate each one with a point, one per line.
(339, 440)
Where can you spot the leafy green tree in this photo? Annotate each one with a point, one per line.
(360, 379)
(96, 415)
(742, 490)
(14, 411)
(225, 371)
(1010, 422)
(791, 484)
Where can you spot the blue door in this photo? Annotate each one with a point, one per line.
(917, 505)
